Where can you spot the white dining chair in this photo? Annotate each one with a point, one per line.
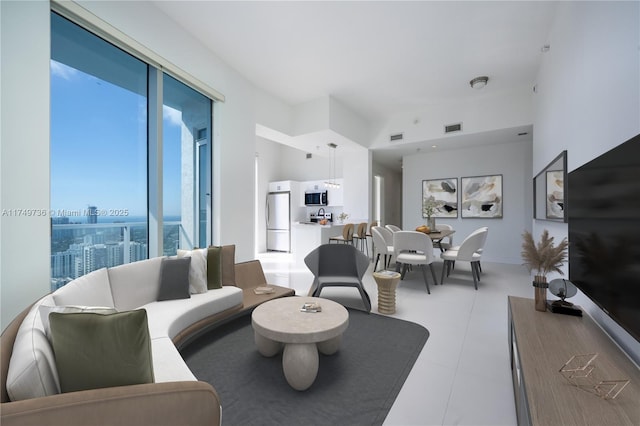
(382, 244)
(481, 249)
(467, 252)
(393, 228)
(414, 248)
(447, 242)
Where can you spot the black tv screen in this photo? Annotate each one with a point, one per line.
(604, 232)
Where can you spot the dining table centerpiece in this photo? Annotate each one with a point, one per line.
(543, 258)
(428, 210)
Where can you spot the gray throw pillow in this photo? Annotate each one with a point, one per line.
(174, 279)
(98, 351)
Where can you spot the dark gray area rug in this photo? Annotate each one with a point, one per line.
(355, 386)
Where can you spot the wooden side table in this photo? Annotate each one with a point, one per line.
(387, 282)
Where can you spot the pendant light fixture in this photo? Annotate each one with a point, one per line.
(331, 183)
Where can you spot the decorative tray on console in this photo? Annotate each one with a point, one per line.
(264, 290)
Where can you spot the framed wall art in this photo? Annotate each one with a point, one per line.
(550, 191)
(555, 194)
(481, 197)
(445, 197)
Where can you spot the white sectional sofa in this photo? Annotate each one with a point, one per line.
(31, 392)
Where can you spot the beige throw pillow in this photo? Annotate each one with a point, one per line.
(197, 269)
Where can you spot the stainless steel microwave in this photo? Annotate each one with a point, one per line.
(315, 198)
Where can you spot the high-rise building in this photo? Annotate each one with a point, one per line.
(137, 251)
(95, 257)
(115, 254)
(62, 264)
(92, 214)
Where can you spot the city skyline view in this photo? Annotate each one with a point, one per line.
(85, 145)
(122, 133)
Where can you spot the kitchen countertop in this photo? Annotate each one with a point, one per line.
(306, 236)
(328, 225)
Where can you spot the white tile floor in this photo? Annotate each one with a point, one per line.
(462, 376)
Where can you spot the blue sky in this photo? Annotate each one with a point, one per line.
(99, 146)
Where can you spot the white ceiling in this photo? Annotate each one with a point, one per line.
(378, 58)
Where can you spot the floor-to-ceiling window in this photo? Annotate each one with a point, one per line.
(101, 112)
(186, 166)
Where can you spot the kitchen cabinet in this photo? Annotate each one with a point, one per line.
(334, 195)
(283, 185)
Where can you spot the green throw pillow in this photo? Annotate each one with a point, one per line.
(99, 351)
(174, 279)
(214, 268)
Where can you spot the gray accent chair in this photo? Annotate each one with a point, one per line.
(338, 265)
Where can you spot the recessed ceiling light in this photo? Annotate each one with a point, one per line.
(545, 48)
(434, 146)
(479, 82)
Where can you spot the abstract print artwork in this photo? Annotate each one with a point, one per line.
(445, 196)
(555, 194)
(482, 197)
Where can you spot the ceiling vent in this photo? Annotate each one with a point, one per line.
(396, 137)
(453, 128)
(309, 155)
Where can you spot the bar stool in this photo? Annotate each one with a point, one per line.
(347, 235)
(361, 237)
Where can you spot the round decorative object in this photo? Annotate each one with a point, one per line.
(562, 288)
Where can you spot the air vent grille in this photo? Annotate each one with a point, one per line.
(309, 155)
(453, 127)
(396, 137)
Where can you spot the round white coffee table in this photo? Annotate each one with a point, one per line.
(303, 334)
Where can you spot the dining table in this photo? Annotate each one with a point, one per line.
(438, 236)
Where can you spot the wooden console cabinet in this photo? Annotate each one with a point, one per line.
(540, 344)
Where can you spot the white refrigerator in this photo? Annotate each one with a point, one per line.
(278, 215)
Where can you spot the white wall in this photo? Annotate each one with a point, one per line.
(24, 154)
(511, 160)
(588, 101)
(357, 185)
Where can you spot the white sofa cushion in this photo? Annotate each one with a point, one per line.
(169, 317)
(32, 369)
(92, 289)
(168, 365)
(45, 310)
(197, 269)
(135, 284)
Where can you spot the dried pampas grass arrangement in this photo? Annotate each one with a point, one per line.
(543, 257)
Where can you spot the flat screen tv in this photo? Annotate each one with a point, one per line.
(604, 232)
